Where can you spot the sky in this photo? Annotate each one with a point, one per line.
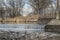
(27, 8)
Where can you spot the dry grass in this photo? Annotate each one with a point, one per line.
(21, 20)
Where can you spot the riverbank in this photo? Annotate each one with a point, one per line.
(20, 20)
(4, 35)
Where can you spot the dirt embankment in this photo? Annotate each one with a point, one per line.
(20, 20)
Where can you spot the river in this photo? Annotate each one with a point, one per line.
(22, 27)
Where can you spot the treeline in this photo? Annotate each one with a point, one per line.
(13, 8)
(10, 8)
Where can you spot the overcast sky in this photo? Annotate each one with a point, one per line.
(27, 8)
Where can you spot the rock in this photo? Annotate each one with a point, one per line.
(54, 22)
(30, 36)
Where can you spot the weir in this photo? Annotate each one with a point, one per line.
(22, 27)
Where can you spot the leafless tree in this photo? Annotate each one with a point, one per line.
(57, 10)
(16, 6)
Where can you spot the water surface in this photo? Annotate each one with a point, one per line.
(22, 27)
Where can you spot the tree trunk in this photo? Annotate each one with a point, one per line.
(57, 12)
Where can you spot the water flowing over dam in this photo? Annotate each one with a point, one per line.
(22, 27)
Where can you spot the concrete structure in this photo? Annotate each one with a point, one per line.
(53, 26)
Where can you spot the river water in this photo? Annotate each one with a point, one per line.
(22, 27)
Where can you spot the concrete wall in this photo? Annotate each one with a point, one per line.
(52, 28)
